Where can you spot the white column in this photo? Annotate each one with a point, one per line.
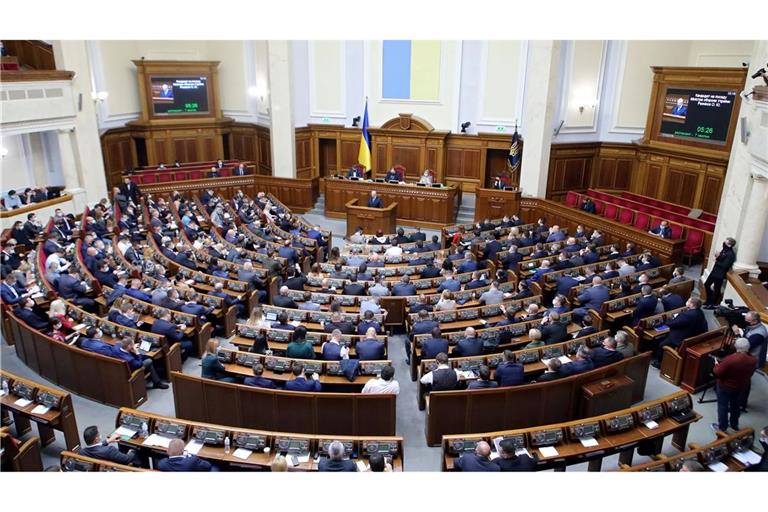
(541, 89)
(757, 214)
(73, 181)
(282, 134)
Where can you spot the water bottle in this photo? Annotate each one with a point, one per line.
(226, 444)
(144, 429)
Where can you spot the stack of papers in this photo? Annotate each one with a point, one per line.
(125, 432)
(747, 457)
(193, 447)
(242, 453)
(361, 466)
(156, 440)
(718, 467)
(588, 442)
(548, 451)
(651, 424)
(40, 409)
(22, 402)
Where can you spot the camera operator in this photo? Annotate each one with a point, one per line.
(757, 335)
(732, 376)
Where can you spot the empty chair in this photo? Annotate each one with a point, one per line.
(626, 216)
(641, 220)
(572, 199)
(610, 212)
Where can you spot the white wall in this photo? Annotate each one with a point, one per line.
(15, 171)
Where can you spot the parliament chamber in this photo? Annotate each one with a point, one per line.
(474, 256)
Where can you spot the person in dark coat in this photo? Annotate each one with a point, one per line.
(258, 380)
(670, 300)
(484, 379)
(30, 317)
(509, 373)
(508, 460)
(646, 306)
(430, 347)
(607, 354)
(555, 331)
(469, 345)
(477, 462)
(370, 348)
(300, 381)
(177, 461)
(335, 462)
(283, 300)
(582, 363)
(98, 449)
(691, 322)
(713, 286)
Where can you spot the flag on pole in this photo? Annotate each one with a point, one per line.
(364, 154)
(513, 160)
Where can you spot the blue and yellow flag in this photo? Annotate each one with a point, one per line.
(364, 155)
(513, 160)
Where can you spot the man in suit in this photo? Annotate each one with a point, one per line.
(479, 461)
(354, 172)
(375, 201)
(493, 247)
(476, 282)
(370, 348)
(713, 286)
(680, 109)
(492, 296)
(592, 298)
(543, 269)
(434, 245)
(553, 330)
(691, 322)
(483, 379)
(509, 373)
(449, 283)
(469, 345)
(353, 287)
(289, 253)
(645, 263)
(296, 280)
(732, 376)
(164, 326)
(430, 347)
(130, 190)
(27, 313)
(301, 383)
(136, 292)
(552, 372)
(404, 287)
(662, 230)
(607, 354)
(646, 306)
(10, 291)
(469, 265)
(335, 462)
(283, 322)
(98, 449)
(368, 322)
(71, 287)
(678, 275)
(258, 380)
(177, 461)
(213, 173)
(586, 327)
(610, 272)
(670, 300)
(582, 363)
(555, 235)
(338, 322)
(127, 350)
(564, 284)
(240, 170)
(283, 300)
(508, 460)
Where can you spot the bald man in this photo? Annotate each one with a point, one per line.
(177, 461)
(478, 461)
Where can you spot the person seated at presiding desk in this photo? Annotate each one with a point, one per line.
(375, 201)
(97, 448)
(508, 460)
(300, 381)
(392, 175)
(384, 383)
(606, 354)
(469, 345)
(426, 178)
(483, 379)
(691, 322)
(588, 205)
(212, 367)
(442, 378)
(354, 172)
(335, 462)
(257, 380)
(178, 461)
(479, 461)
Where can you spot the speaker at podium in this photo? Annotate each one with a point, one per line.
(370, 219)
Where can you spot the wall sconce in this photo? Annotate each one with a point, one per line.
(99, 96)
(584, 103)
(258, 91)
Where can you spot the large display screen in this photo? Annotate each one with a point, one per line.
(179, 95)
(696, 114)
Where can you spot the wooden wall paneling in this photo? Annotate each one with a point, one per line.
(380, 159)
(409, 156)
(208, 150)
(712, 188)
(349, 153)
(681, 186)
(159, 151)
(570, 169)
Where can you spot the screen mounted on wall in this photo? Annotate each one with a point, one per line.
(697, 115)
(179, 95)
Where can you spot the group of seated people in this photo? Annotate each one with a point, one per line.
(663, 230)
(14, 199)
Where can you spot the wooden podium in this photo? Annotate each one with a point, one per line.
(493, 203)
(370, 219)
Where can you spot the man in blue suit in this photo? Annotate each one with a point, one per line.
(662, 230)
(543, 269)
(509, 373)
(98, 449)
(680, 109)
(11, 293)
(479, 461)
(71, 287)
(354, 172)
(469, 345)
(404, 287)
(165, 327)
(193, 308)
(476, 282)
(555, 235)
(30, 317)
(369, 348)
(607, 354)
(430, 347)
(257, 380)
(289, 253)
(136, 292)
(670, 300)
(592, 298)
(92, 342)
(126, 350)
(374, 201)
(470, 265)
(582, 363)
(646, 306)
(691, 322)
(177, 461)
(590, 255)
(300, 381)
(449, 283)
(493, 247)
(512, 258)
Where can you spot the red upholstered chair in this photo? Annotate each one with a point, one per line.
(626, 216)
(610, 212)
(165, 177)
(195, 175)
(572, 199)
(592, 193)
(599, 206)
(227, 171)
(148, 178)
(399, 169)
(643, 208)
(677, 231)
(708, 217)
(655, 222)
(694, 244)
(641, 220)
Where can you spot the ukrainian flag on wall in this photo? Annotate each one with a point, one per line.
(411, 70)
(364, 154)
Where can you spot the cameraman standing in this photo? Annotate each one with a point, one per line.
(732, 376)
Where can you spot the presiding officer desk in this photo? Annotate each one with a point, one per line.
(250, 449)
(50, 408)
(590, 439)
(430, 207)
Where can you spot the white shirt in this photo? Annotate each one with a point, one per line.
(394, 251)
(379, 385)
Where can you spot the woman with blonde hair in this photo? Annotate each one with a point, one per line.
(58, 311)
(257, 318)
(446, 302)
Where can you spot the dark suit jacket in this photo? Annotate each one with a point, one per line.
(510, 374)
(603, 357)
(375, 202)
(468, 347)
(519, 463)
(430, 347)
(645, 307)
(354, 289)
(586, 331)
(672, 301)
(554, 332)
(723, 264)
(575, 367)
(370, 350)
(401, 289)
(284, 302)
(303, 384)
(108, 452)
(470, 462)
(327, 464)
(259, 382)
(688, 323)
(190, 463)
(32, 319)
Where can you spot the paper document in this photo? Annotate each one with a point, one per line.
(190, 282)
(145, 346)
(747, 457)
(523, 451)
(125, 432)
(651, 424)
(295, 323)
(78, 327)
(22, 402)
(588, 442)
(156, 440)
(34, 289)
(242, 453)
(40, 409)
(718, 467)
(564, 359)
(361, 466)
(494, 455)
(36, 295)
(548, 451)
(193, 447)
(303, 458)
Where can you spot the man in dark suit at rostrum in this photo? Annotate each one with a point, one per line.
(477, 462)
(691, 322)
(300, 381)
(713, 286)
(98, 449)
(257, 380)
(177, 461)
(430, 347)
(469, 345)
(607, 354)
(646, 306)
(375, 201)
(509, 373)
(335, 462)
(509, 461)
(283, 300)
